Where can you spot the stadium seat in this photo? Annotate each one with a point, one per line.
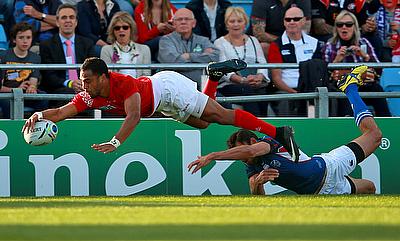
(3, 38)
(390, 81)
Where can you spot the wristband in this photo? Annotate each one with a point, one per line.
(115, 142)
(39, 115)
(70, 84)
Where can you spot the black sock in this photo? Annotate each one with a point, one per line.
(214, 77)
(357, 150)
(279, 134)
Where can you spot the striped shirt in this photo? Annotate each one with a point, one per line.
(330, 51)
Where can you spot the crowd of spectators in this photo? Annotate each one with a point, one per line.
(155, 31)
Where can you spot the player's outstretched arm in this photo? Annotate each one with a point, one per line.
(54, 115)
(241, 152)
(132, 119)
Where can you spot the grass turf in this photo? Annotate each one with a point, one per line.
(375, 217)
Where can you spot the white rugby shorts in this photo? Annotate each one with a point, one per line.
(176, 96)
(340, 162)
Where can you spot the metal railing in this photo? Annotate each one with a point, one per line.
(321, 96)
(321, 99)
(191, 66)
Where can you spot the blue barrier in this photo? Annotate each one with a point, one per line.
(3, 38)
(390, 81)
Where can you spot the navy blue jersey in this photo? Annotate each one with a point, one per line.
(305, 177)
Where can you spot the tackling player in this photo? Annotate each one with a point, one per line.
(167, 92)
(326, 173)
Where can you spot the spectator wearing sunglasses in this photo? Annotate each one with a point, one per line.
(347, 46)
(293, 46)
(122, 33)
(324, 13)
(365, 10)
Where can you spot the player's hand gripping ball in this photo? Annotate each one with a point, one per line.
(44, 132)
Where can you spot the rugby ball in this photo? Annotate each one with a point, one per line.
(44, 132)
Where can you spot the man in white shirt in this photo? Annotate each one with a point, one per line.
(293, 46)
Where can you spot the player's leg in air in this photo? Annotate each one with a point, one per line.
(370, 139)
(215, 113)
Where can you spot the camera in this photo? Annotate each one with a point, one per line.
(349, 51)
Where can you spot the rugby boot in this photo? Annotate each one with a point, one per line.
(285, 136)
(354, 77)
(217, 69)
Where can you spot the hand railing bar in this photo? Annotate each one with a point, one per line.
(395, 94)
(48, 96)
(186, 66)
(302, 96)
(321, 99)
(17, 104)
(321, 103)
(39, 96)
(330, 66)
(273, 97)
(6, 96)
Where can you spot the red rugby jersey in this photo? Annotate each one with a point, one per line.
(121, 87)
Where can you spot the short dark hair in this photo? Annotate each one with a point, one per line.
(242, 136)
(96, 65)
(66, 5)
(21, 27)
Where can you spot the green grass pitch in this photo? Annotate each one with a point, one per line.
(289, 217)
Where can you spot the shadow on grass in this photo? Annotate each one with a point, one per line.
(270, 201)
(199, 232)
(112, 203)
